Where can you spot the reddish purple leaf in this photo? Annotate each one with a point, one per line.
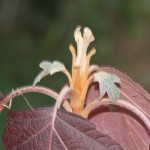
(120, 124)
(32, 129)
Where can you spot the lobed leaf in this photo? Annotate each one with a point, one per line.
(52, 67)
(107, 85)
(48, 68)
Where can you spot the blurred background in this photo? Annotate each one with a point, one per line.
(36, 30)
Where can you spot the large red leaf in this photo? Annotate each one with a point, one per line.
(32, 129)
(121, 124)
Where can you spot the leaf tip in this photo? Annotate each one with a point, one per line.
(39, 77)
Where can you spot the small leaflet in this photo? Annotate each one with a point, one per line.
(48, 68)
(107, 85)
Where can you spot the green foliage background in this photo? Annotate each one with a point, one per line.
(36, 30)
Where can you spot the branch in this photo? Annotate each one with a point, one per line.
(27, 89)
(120, 103)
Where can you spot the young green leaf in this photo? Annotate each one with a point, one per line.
(107, 85)
(49, 68)
(52, 67)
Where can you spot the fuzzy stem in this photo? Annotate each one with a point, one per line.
(64, 92)
(121, 103)
(86, 86)
(86, 69)
(27, 89)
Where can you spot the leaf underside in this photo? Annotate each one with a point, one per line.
(107, 85)
(122, 125)
(49, 68)
(31, 129)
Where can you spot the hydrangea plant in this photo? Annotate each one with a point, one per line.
(82, 73)
(104, 109)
